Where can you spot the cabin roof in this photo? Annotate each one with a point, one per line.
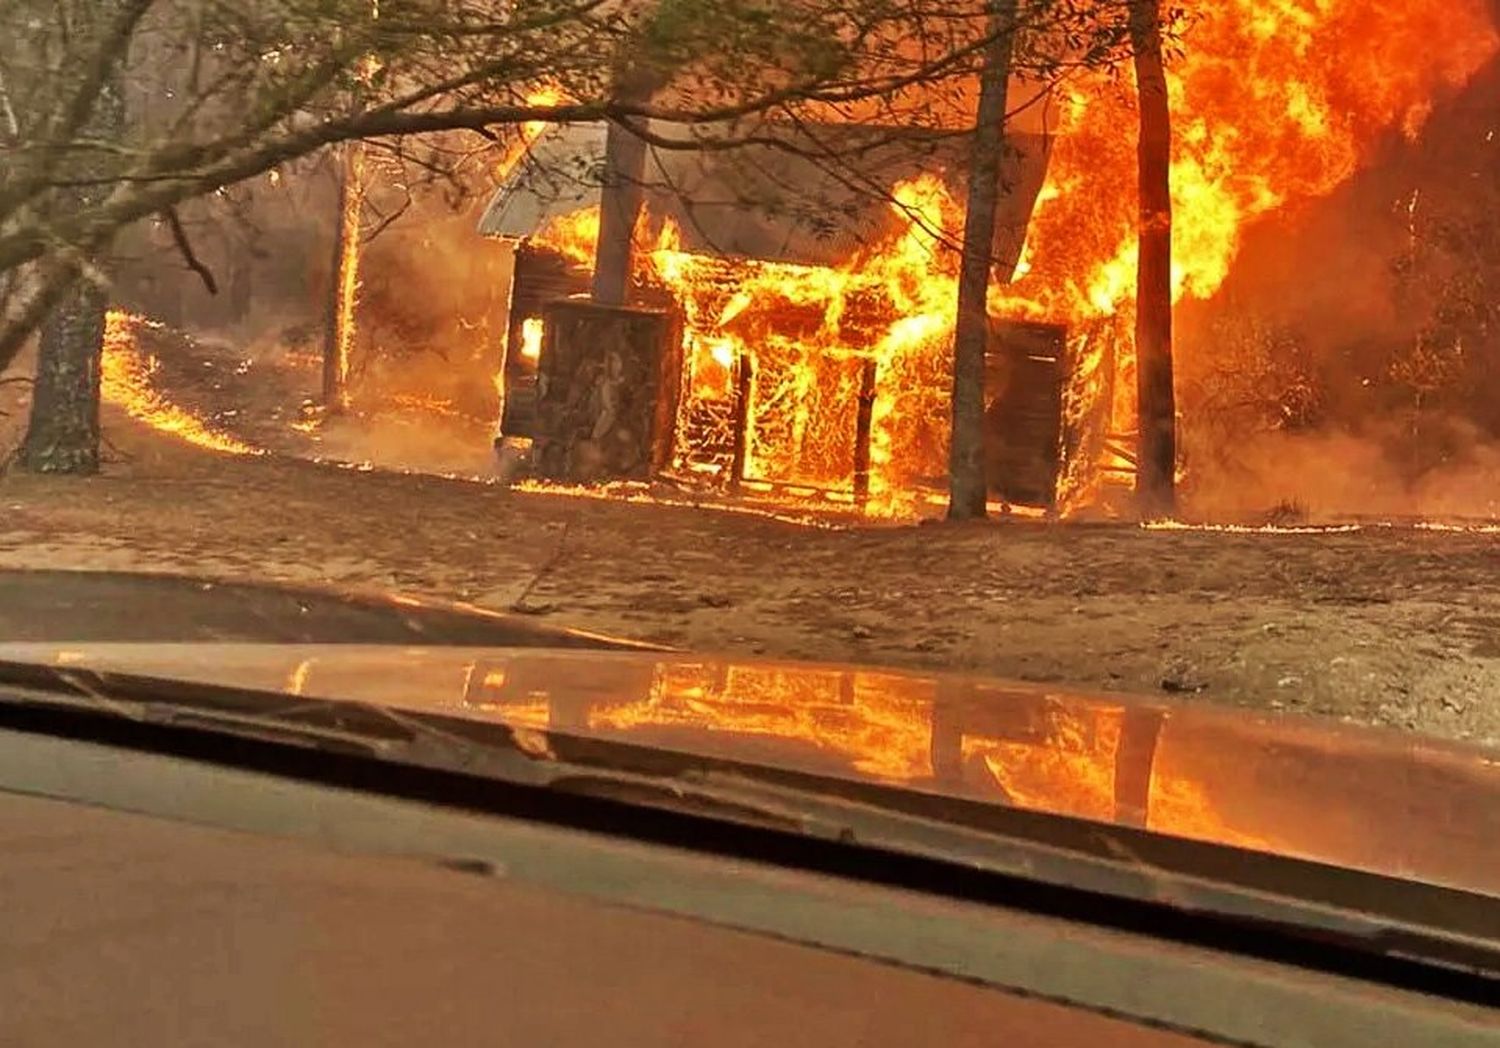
(813, 196)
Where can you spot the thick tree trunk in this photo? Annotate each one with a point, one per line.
(1156, 494)
(63, 434)
(967, 493)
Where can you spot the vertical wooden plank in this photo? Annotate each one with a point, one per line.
(743, 387)
(862, 423)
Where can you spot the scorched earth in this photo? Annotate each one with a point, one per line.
(1397, 626)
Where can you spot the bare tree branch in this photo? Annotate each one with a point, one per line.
(185, 248)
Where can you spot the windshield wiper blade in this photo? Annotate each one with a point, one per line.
(336, 726)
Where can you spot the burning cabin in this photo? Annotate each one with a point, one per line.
(789, 323)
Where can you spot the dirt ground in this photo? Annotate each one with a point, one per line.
(1392, 626)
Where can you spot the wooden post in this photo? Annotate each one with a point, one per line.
(743, 373)
(862, 422)
(1156, 467)
(619, 208)
(623, 191)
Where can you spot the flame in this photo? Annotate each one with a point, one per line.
(296, 681)
(532, 330)
(1072, 773)
(808, 329)
(870, 720)
(1181, 807)
(884, 726)
(126, 379)
(527, 134)
(1273, 105)
(574, 235)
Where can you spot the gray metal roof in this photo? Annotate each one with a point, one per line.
(811, 196)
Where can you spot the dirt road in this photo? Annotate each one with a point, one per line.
(1380, 625)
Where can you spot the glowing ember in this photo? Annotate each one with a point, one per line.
(531, 338)
(126, 380)
(423, 404)
(1247, 529)
(636, 491)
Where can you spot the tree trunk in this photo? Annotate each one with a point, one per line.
(967, 493)
(63, 433)
(619, 207)
(338, 328)
(1156, 405)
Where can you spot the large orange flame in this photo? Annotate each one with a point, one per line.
(807, 330)
(1274, 104)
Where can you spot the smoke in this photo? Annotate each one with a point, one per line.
(268, 244)
(1348, 364)
(429, 318)
(414, 440)
(1327, 476)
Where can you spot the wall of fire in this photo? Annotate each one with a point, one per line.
(620, 395)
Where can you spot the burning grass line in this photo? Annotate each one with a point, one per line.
(1324, 529)
(1252, 529)
(126, 380)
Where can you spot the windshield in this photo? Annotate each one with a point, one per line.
(1081, 408)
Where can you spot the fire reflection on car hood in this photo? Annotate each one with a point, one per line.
(1361, 798)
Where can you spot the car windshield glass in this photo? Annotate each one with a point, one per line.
(1086, 409)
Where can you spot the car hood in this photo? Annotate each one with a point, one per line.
(1416, 808)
